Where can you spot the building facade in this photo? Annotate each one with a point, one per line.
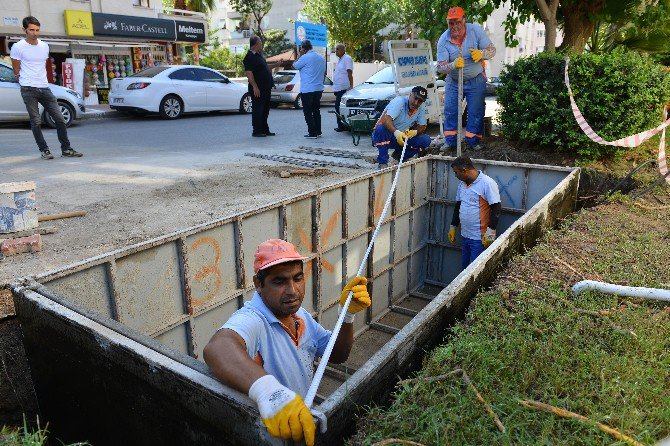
(233, 31)
(104, 39)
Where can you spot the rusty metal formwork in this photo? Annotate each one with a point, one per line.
(149, 309)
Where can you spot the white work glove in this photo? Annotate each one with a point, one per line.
(489, 237)
(452, 234)
(283, 412)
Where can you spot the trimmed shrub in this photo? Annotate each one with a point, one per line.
(619, 94)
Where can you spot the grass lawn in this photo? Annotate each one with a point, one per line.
(527, 338)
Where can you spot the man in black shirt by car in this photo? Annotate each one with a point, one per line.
(260, 85)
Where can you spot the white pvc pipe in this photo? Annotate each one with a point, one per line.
(620, 290)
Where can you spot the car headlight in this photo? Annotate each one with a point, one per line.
(74, 93)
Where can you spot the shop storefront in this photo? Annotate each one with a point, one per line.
(100, 47)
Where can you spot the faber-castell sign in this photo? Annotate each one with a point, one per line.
(128, 26)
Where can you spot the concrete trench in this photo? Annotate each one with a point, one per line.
(114, 342)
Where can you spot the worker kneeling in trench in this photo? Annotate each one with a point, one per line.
(267, 348)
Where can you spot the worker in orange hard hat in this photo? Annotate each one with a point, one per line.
(268, 347)
(464, 46)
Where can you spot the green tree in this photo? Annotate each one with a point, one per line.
(223, 59)
(577, 18)
(276, 42)
(255, 10)
(191, 5)
(352, 22)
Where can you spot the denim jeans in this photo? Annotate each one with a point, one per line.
(31, 97)
(474, 90)
(470, 250)
(311, 108)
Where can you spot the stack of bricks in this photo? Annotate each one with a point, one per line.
(12, 246)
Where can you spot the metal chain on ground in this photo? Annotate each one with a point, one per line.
(311, 392)
(328, 152)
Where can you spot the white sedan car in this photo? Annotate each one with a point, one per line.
(12, 107)
(172, 90)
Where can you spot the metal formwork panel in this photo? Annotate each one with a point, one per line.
(358, 196)
(382, 248)
(299, 223)
(212, 265)
(403, 192)
(540, 183)
(256, 229)
(380, 295)
(309, 303)
(176, 338)
(206, 324)
(511, 184)
(90, 288)
(355, 253)
(149, 289)
(418, 267)
(331, 275)
(420, 224)
(421, 183)
(330, 222)
(382, 186)
(400, 280)
(403, 236)
(329, 316)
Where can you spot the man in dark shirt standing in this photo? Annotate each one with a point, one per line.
(260, 85)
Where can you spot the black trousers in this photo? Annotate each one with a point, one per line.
(338, 96)
(311, 108)
(260, 112)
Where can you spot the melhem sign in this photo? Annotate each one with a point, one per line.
(145, 27)
(190, 31)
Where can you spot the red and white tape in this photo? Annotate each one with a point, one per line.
(628, 141)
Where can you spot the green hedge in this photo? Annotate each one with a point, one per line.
(619, 94)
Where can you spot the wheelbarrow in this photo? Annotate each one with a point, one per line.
(360, 123)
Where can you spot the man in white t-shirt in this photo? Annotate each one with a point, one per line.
(29, 60)
(343, 80)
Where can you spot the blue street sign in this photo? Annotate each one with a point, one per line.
(312, 32)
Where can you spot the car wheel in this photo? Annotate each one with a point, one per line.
(66, 110)
(171, 107)
(246, 104)
(297, 104)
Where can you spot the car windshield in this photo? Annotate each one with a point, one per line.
(150, 72)
(283, 77)
(384, 76)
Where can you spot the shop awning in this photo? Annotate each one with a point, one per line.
(64, 41)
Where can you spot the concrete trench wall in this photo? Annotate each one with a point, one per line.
(126, 326)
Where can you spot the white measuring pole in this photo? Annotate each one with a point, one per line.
(311, 392)
(459, 134)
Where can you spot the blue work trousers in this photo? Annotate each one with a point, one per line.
(474, 91)
(384, 140)
(470, 250)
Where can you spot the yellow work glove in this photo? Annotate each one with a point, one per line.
(488, 237)
(476, 54)
(459, 63)
(360, 299)
(409, 134)
(452, 234)
(400, 137)
(283, 412)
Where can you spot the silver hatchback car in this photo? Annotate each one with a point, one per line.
(287, 89)
(12, 107)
